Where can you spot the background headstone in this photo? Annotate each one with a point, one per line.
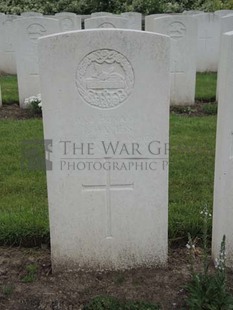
(106, 22)
(104, 91)
(222, 13)
(2, 19)
(183, 33)
(134, 20)
(208, 42)
(9, 39)
(194, 12)
(223, 188)
(226, 24)
(99, 14)
(149, 21)
(31, 14)
(28, 31)
(68, 21)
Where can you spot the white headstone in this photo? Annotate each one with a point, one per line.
(222, 13)
(223, 188)
(134, 20)
(98, 14)
(29, 30)
(9, 38)
(226, 24)
(106, 22)
(2, 19)
(208, 42)
(192, 12)
(112, 214)
(183, 33)
(68, 21)
(149, 21)
(31, 14)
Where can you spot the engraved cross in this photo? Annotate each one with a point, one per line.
(175, 72)
(205, 38)
(107, 188)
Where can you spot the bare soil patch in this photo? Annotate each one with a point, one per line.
(72, 291)
(14, 112)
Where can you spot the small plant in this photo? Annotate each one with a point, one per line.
(8, 290)
(34, 103)
(210, 108)
(207, 290)
(31, 273)
(182, 109)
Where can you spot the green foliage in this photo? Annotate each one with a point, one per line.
(9, 89)
(24, 206)
(210, 108)
(207, 290)
(8, 290)
(110, 303)
(34, 104)
(31, 273)
(114, 6)
(206, 84)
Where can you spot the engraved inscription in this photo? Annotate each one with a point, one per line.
(35, 31)
(107, 188)
(177, 30)
(105, 78)
(106, 25)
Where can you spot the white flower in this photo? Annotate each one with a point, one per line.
(188, 246)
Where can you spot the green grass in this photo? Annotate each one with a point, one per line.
(24, 207)
(206, 86)
(192, 152)
(9, 89)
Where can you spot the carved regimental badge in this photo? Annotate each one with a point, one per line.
(177, 30)
(105, 78)
(35, 31)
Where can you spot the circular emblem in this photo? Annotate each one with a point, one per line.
(106, 25)
(104, 78)
(177, 30)
(35, 31)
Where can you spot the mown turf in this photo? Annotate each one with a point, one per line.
(23, 205)
(206, 87)
(192, 153)
(9, 89)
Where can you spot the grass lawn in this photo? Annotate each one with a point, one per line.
(206, 86)
(23, 207)
(9, 89)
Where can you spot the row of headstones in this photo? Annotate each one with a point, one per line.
(183, 30)
(66, 22)
(106, 109)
